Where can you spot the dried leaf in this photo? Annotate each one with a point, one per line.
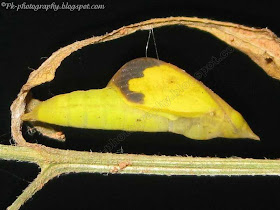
(261, 45)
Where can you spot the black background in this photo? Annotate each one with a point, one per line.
(28, 37)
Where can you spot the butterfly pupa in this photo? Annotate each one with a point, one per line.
(147, 95)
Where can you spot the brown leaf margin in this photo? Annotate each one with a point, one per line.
(261, 45)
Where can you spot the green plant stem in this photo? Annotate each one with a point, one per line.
(34, 186)
(54, 162)
(74, 161)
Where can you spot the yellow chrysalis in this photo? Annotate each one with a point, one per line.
(147, 95)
